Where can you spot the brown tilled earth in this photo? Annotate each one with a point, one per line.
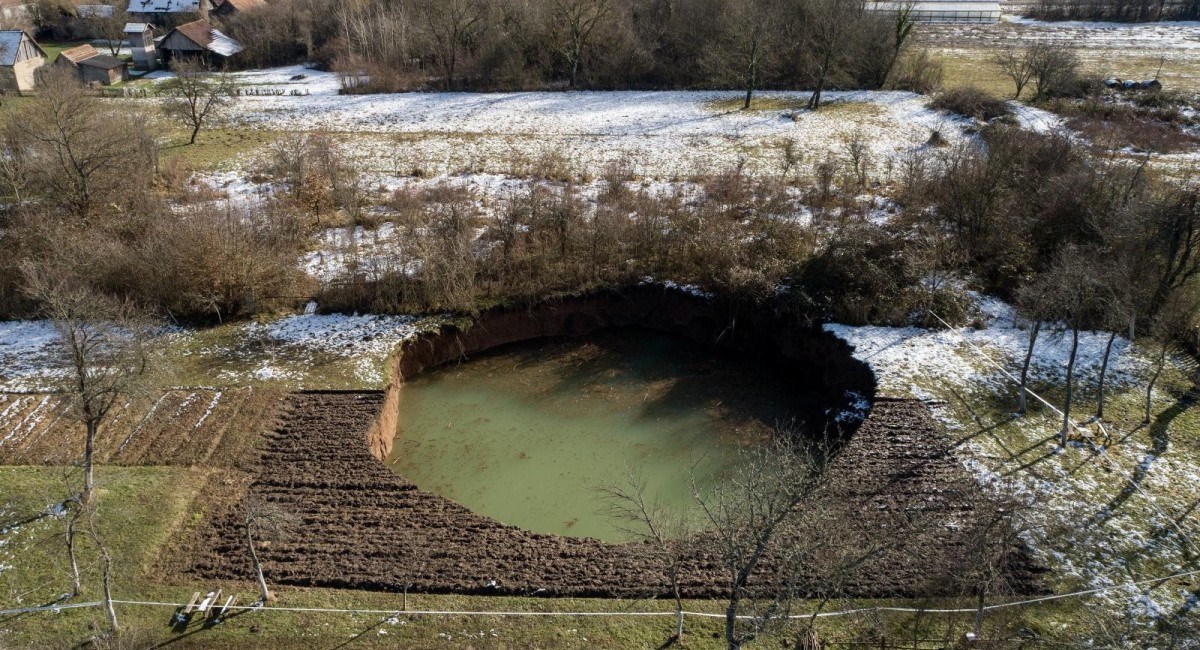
(358, 525)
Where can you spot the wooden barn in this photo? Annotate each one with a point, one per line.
(91, 66)
(20, 58)
(943, 11)
(198, 39)
(142, 46)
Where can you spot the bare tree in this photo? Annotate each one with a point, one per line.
(831, 38)
(666, 532)
(103, 345)
(1051, 66)
(1017, 66)
(747, 513)
(81, 150)
(1076, 301)
(1034, 305)
(577, 19)
(196, 95)
(743, 46)
(454, 26)
(112, 26)
(263, 521)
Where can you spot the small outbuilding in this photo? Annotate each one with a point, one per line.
(91, 66)
(20, 59)
(198, 39)
(142, 46)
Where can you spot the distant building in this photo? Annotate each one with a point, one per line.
(198, 39)
(944, 11)
(229, 8)
(20, 58)
(141, 45)
(168, 12)
(95, 11)
(91, 66)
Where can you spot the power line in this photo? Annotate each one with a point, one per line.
(693, 614)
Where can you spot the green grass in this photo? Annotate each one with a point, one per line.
(216, 148)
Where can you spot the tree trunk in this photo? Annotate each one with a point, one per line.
(731, 639)
(106, 569)
(1158, 367)
(195, 132)
(1023, 402)
(263, 592)
(1066, 428)
(72, 520)
(1112, 336)
(674, 574)
(89, 450)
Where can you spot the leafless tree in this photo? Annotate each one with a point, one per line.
(1034, 306)
(263, 521)
(112, 27)
(1051, 66)
(1017, 65)
(1075, 300)
(81, 150)
(195, 95)
(104, 346)
(747, 41)
(746, 514)
(454, 26)
(577, 20)
(831, 38)
(666, 532)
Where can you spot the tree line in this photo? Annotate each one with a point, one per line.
(396, 45)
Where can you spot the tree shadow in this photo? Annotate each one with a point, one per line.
(1160, 442)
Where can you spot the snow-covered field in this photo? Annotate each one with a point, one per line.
(663, 134)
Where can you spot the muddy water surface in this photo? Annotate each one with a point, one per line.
(527, 434)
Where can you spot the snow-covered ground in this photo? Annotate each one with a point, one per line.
(1086, 519)
(663, 134)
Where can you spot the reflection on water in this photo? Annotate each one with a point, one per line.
(527, 434)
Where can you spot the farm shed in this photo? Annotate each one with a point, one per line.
(232, 7)
(944, 11)
(91, 66)
(198, 39)
(20, 58)
(142, 46)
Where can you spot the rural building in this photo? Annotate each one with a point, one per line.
(91, 66)
(944, 11)
(168, 12)
(20, 58)
(230, 8)
(198, 39)
(141, 45)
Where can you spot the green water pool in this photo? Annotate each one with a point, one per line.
(527, 434)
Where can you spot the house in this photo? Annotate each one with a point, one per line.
(91, 66)
(198, 39)
(230, 8)
(142, 46)
(20, 58)
(168, 12)
(943, 11)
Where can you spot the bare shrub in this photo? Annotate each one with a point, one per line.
(969, 101)
(917, 71)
